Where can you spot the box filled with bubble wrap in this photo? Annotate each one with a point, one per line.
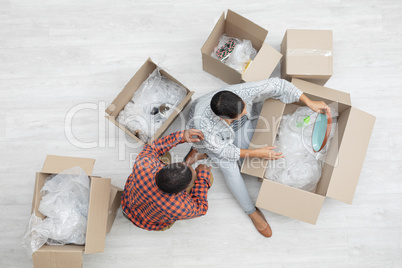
(297, 185)
(149, 103)
(236, 51)
(71, 212)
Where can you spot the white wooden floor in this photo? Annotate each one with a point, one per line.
(55, 55)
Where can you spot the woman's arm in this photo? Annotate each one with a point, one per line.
(264, 152)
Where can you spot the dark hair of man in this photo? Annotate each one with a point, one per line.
(226, 104)
(173, 178)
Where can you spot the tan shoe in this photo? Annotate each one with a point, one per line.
(256, 218)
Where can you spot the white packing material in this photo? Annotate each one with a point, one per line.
(234, 52)
(301, 167)
(64, 204)
(144, 114)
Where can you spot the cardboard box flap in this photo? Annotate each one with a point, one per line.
(214, 36)
(240, 27)
(322, 92)
(288, 201)
(57, 164)
(220, 70)
(263, 65)
(317, 42)
(97, 215)
(56, 256)
(264, 135)
(352, 151)
(114, 204)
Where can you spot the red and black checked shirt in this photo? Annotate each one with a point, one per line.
(150, 208)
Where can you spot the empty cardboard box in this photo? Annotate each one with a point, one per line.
(343, 162)
(307, 54)
(132, 86)
(101, 213)
(237, 26)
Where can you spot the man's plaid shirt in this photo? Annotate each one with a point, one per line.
(148, 207)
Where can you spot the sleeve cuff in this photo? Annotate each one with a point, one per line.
(298, 94)
(180, 138)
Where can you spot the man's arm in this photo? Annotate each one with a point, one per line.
(198, 204)
(164, 144)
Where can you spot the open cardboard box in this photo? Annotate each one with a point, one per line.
(307, 54)
(237, 26)
(132, 86)
(342, 165)
(103, 205)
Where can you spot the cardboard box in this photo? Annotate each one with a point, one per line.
(237, 26)
(307, 54)
(342, 165)
(101, 213)
(132, 86)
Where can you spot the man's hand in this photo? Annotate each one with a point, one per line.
(202, 167)
(267, 153)
(193, 135)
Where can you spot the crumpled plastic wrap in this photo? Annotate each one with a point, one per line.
(238, 58)
(65, 202)
(142, 115)
(301, 168)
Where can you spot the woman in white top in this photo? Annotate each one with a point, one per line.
(227, 118)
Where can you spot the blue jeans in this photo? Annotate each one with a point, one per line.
(231, 169)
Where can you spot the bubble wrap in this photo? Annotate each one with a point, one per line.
(153, 92)
(241, 55)
(65, 201)
(301, 168)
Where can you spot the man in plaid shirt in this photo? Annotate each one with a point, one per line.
(155, 194)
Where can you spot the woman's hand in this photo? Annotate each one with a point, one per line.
(267, 153)
(319, 107)
(193, 135)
